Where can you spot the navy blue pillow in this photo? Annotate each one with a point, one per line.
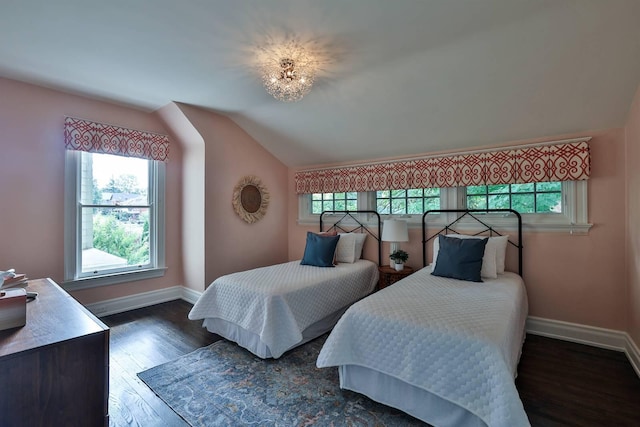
(460, 258)
(319, 250)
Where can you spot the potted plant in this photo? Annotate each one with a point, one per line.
(399, 257)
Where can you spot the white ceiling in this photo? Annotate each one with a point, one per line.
(398, 77)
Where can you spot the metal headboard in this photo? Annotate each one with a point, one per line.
(471, 213)
(339, 225)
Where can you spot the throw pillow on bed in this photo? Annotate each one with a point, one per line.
(460, 258)
(319, 250)
(494, 254)
(349, 247)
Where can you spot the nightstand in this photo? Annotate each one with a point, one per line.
(389, 275)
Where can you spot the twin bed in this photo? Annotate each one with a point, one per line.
(441, 349)
(273, 309)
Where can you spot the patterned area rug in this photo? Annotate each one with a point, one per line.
(225, 385)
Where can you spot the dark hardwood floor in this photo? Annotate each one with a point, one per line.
(560, 383)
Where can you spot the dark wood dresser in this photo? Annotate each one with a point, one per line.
(54, 371)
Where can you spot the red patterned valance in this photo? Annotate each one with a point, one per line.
(83, 135)
(564, 161)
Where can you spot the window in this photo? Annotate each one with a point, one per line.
(407, 202)
(333, 202)
(545, 206)
(114, 228)
(543, 197)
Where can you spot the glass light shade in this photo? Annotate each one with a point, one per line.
(287, 80)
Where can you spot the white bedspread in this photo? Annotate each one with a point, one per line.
(278, 302)
(459, 340)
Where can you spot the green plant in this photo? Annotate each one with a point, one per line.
(399, 256)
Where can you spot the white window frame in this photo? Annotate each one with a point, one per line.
(74, 278)
(573, 219)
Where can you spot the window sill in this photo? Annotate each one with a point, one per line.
(112, 279)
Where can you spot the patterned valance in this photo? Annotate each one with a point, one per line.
(564, 161)
(83, 135)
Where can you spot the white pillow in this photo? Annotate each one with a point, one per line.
(360, 238)
(501, 251)
(493, 252)
(349, 247)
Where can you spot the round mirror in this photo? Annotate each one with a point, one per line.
(250, 199)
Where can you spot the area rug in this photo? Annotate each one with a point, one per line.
(225, 385)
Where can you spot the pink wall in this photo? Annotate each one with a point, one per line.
(572, 278)
(32, 179)
(231, 244)
(632, 157)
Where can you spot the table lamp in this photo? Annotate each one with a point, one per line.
(394, 231)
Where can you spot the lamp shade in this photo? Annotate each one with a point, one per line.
(395, 230)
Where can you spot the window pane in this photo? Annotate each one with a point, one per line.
(499, 202)
(114, 238)
(414, 206)
(431, 204)
(383, 194)
(383, 206)
(432, 192)
(415, 192)
(522, 188)
(549, 202)
(316, 196)
(327, 205)
(476, 202)
(501, 188)
(398, 206)
(339, 196)
(352, 205)
(398, 193)
(477, 189)
(549, 186)
(327, 196)
(352, 195)
(316, 207)
(113, 180)
(522, 203)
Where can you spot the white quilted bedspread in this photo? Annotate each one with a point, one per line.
(459, 340)
(278, 302)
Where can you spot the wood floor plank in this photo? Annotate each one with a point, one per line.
(560, 383)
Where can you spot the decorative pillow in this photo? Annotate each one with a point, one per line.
(319, 250)
(350, 247)
(346, 248)
(330, 233)
(494, 254)
(460, 258)
(360, 238)
(501, 251)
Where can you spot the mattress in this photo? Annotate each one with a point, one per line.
(457, 341)
(272, 307)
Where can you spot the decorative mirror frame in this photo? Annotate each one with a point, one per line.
(241, 207)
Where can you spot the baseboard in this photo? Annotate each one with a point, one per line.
(633, 353)
(189, 295)
(145, 299)
(589, 335)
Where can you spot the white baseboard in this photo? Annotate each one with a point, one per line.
(189, 295)
(145, 299)
(589, 335)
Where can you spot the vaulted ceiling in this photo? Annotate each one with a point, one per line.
(397, 78)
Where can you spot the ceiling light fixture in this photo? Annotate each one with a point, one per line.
(290, 77)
